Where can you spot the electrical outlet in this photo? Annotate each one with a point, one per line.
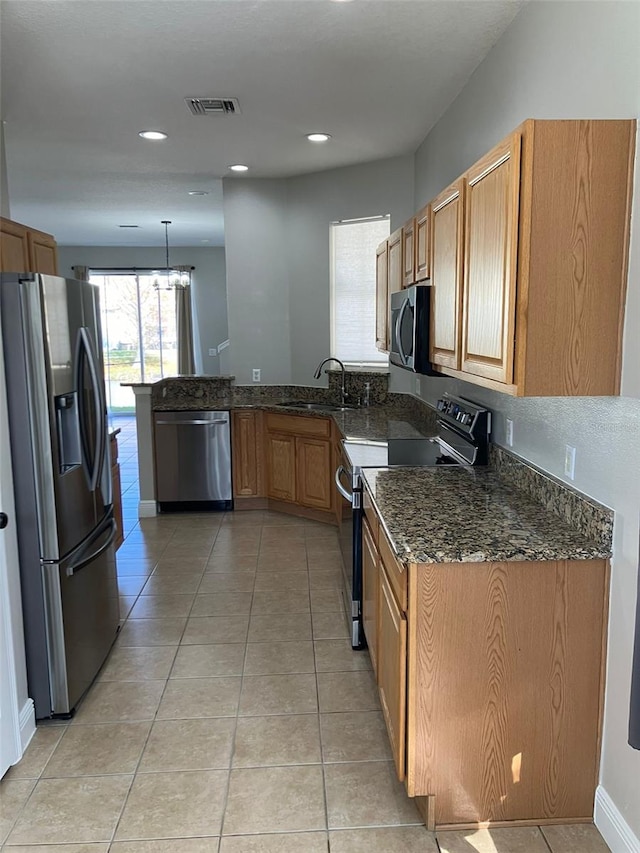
(213, 350)
(256, 374)
(417, 386)
(570, 461)
(509, 432)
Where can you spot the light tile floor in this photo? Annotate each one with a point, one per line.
(232, 715)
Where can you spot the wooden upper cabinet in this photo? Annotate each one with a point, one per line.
(14, 247)
(490, 262)
(382, 297)
(395, 262)
(408, 253)
(248, 457)
(422, 242)
(43, 252)
(23, 249)
(447, 222)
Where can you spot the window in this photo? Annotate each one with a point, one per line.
(353, 289)
(138, 314)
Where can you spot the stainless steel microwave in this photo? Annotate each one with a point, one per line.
(410, 327)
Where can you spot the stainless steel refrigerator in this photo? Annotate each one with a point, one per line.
(60, 456)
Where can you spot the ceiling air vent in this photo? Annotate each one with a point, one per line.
(213, 106)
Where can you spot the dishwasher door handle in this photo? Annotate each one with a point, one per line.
(192, 423)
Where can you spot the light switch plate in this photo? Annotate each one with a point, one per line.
(213, 350)
(570, 461)
(256, 374)
(417, 385)
(509, 431)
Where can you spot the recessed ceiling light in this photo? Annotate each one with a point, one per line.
(128, 226)
(239, 168)
(318, 137)
(198, 192)
(152, 134)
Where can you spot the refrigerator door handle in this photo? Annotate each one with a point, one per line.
(92, 466)
(85, 560)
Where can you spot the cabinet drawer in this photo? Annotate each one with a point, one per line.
(370, 515)
(299, 425)
(396, 572)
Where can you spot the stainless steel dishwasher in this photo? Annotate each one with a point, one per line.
(193, 460)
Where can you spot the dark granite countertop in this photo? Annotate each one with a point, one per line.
(465, 515)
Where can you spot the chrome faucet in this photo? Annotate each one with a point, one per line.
(316, 375)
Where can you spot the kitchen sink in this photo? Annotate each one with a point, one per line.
(314, 407)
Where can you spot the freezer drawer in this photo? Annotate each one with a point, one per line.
(193, 457)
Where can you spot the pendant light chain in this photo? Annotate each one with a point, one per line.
(167, 223)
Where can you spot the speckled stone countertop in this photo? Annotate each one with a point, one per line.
(452, 515)
(389, 416)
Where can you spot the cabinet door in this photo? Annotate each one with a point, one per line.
(247, 454)
(408, 253)
(43, 253)
(422, 241)
(14, 247)
(281, 466)
(491, 235)
(370, 593)
(315, 480)
(392, 671)
(446, 276)
(382, 297)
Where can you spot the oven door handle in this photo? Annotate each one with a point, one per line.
(348, 496)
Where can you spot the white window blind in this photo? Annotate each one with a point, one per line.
(353, 289)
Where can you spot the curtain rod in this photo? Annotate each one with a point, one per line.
(131, 269)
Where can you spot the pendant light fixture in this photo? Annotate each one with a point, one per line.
(156, 284)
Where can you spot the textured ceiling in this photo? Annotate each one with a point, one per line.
(80, 78)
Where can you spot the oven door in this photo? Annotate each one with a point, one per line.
(351, 546)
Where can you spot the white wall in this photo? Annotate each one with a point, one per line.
(277, 245)
(565, 59)
(4, 184)
(208, 282)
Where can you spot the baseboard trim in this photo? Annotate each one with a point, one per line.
(27, 722)
(147, 509)
(612, 826)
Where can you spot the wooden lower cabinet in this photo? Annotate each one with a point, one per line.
(392, 670)
(492, 684)
(313, 466)
(281, 466)
(248, 454)
(370, 593)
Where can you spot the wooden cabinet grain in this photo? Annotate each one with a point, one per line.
(24, 249)
(392, 670)
(382, 297)
(409, 253)
(545, 249)
(281, 466)
(394, 275)
(422, 240)
(248, 454)
(490, 262)
(299, 452)
(491, 680)
(447, 222)
(313, 466)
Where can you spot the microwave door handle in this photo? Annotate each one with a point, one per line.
(348, 496)
(398, 325)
